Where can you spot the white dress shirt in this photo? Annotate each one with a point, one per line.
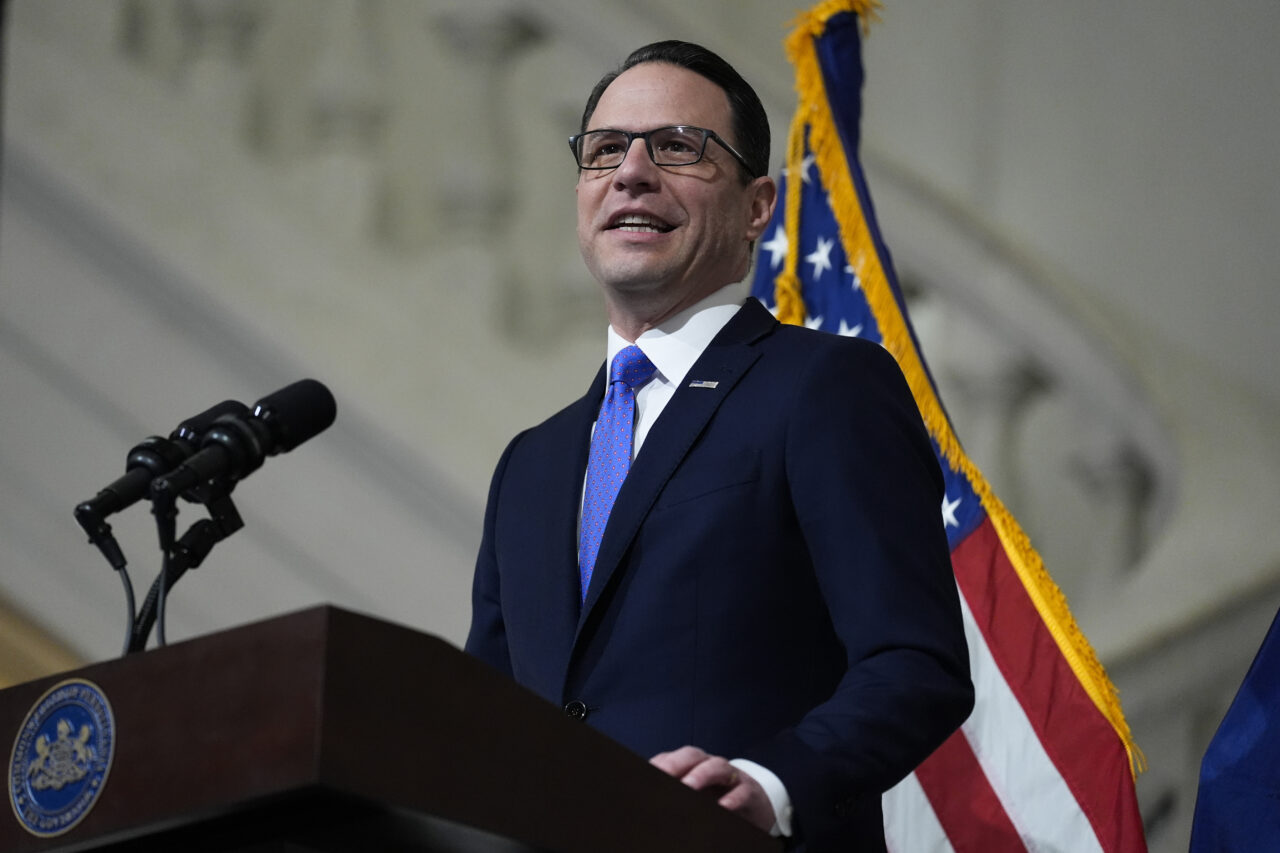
(673, 347)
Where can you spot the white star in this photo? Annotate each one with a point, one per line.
(847, 330)
(813, 322)
(776, 247)
(949, 512)
(857, 282)
(804, 167)
(821, 257)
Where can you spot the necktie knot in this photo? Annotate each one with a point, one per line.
(631, 366)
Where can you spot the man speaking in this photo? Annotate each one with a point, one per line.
(728, 555)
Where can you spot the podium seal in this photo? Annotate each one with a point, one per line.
(61, 757)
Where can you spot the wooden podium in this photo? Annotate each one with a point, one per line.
(325, 730)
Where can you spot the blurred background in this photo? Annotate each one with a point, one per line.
(209, 199)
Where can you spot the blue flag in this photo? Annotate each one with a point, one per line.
(1238, 805)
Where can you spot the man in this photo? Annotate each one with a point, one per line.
(772, 585)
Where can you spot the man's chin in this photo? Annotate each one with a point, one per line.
(635, 280)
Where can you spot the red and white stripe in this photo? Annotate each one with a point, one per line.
(1036, 766)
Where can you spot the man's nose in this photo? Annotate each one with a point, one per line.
(636, 165)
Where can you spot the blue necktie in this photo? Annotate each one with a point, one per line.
(610, 453)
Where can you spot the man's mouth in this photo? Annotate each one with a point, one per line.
(640, 223)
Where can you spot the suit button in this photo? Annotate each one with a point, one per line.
(576, 710)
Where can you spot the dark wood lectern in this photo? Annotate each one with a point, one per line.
(327, 731)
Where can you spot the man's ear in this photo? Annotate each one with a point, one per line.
(764, 195)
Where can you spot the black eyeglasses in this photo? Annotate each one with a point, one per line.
(679, 145)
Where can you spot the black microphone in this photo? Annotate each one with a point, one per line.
(235, 445)
(152, 457)
(149, 459)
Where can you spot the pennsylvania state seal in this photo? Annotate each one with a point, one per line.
(61, 757)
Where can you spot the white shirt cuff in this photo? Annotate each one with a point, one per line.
(775, 790)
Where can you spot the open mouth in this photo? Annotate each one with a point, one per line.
(640, 223)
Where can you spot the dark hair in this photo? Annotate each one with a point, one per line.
(750, 124)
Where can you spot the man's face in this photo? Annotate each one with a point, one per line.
(668, 236)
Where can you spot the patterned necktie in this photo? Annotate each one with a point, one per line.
(610, 453)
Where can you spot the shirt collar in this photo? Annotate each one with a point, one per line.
(677, 342)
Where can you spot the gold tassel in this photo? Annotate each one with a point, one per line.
(788, 300)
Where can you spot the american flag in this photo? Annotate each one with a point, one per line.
(1046, 760)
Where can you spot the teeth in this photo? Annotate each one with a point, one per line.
(637, 222)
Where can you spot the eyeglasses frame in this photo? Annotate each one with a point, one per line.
(632, 136)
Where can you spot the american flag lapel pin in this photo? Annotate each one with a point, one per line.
(703, 383)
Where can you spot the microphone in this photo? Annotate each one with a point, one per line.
(235, 444)
(152, 457)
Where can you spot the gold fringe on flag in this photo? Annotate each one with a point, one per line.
(813, 113)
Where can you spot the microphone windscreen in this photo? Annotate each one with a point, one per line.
(296, 413)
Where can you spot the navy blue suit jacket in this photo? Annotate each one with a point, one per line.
(774, 582)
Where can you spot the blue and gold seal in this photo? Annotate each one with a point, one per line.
(61, 757)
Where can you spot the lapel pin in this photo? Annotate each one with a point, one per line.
(703, 383)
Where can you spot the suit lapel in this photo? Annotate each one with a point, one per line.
(564, 493)
(717, 371)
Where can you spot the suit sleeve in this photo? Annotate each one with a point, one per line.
(487, 638)
(867, 493)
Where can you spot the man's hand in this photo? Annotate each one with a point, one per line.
(743, 795)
